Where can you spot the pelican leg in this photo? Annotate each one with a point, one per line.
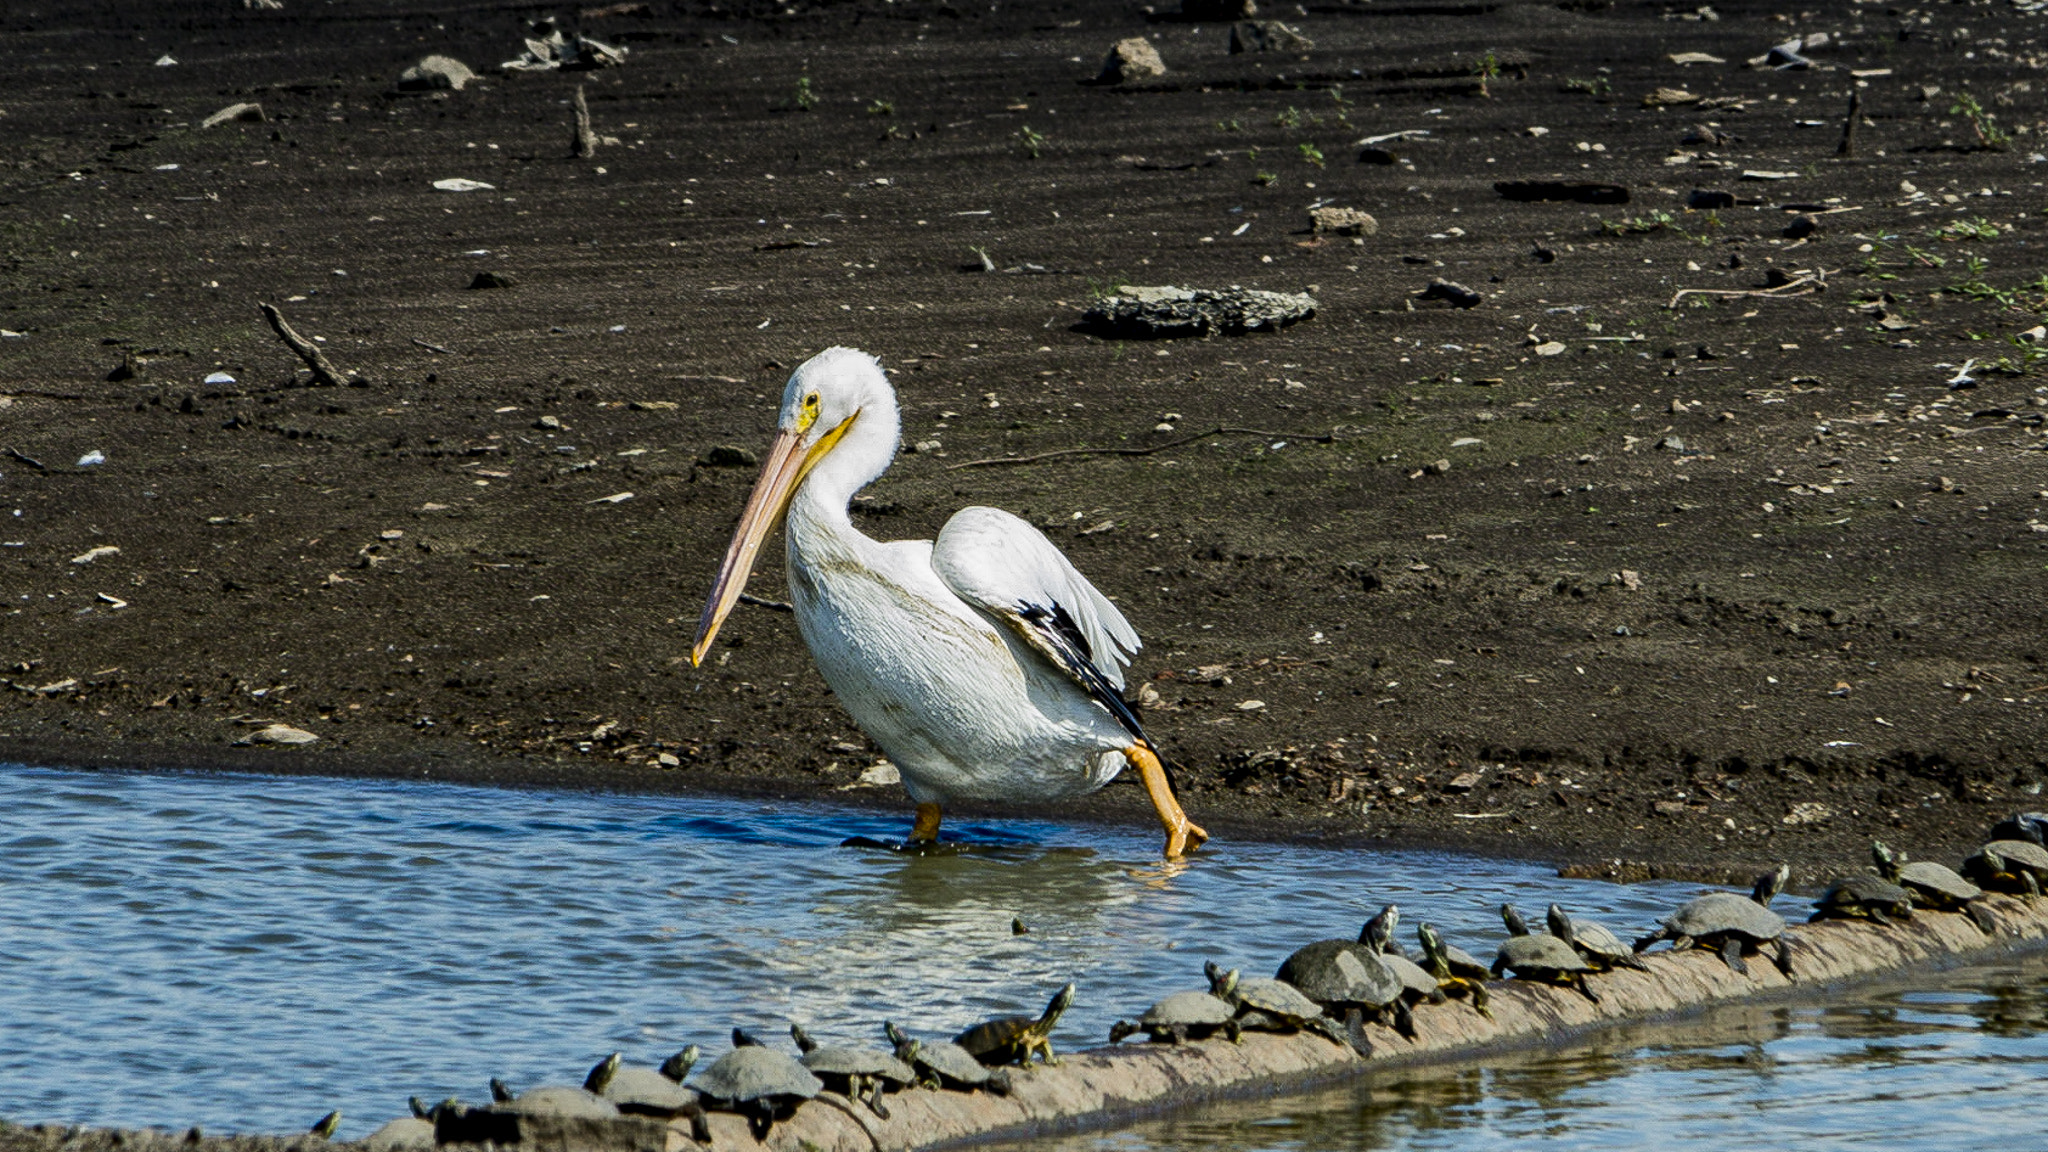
(925, 830)
(1181, 833)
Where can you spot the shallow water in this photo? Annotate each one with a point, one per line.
(247, 952)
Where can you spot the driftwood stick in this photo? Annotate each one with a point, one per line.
(584, 143)
(324, 371)
(431, 347)
(995, 461)
(771, 605)
(1800, 287)
(1848, 145)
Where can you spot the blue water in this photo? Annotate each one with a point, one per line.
(246, 953)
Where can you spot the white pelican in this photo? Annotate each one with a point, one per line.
(982, 664)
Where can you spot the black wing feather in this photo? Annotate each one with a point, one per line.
(1062, 639)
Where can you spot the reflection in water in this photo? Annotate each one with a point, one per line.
(246, 952)
(1928, 1069)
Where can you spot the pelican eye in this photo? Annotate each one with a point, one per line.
(808, 414)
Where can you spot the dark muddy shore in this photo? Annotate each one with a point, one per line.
(1707, 586)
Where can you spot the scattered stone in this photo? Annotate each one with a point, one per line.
(729, 456)
(1786, 58)
(1576, 192)
(1462, 783)
(1684, 58)
(436, 73)
(1667, 97)
(1457, 295)
(1631, 579)
(1549, 348)
(1702, 135)
(1131, 59)
(1436, 467)
(548, 50)
(166, 61)
(1671, 444)
(92, 459)
(283, 734)
(551, 424)
(1764, 174)
(1251, 706)
(1166, 311)
(1808, 812)
(1668, 807)
(484, 280)
(459, 184)
(1343, 221)
(1535, 131)
(1802, 226)
(249, 113)
(1709, 200)
(1266, 36)
(93, 554)
(261, 6)
(218, 378)
(880, 774)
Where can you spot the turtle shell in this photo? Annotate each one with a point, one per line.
(2023, 854)
(1283, 1002)
(1862, 889)
(1719, 913)
(1413, 979)
(401, 1135)
(953, 1062)
(836, 1061)
(560, 1100)
(1937, 880)
(1335, 972)
(1463, 963)
(756, 1073)
(1539, 953)
(1599, 940)
(1188, 1010)
(647, 1092)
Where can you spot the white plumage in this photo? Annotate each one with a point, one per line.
(983, 664)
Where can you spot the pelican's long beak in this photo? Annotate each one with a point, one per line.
(787, 465)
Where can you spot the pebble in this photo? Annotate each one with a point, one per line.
(94, 554)
(1167, 311)
(92, 458)
(1266, 36)
(1131, 59)
(462, 184)
(253, 113)
(283, 734)
(436, 73)
(1343, 221)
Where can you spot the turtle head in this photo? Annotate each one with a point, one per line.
(804, 1043)
(1888, 862)
(742, 1039)
(501, 1092)
(600, 1076)
(1513, 919)
(1060, 1002)
(1770, 884)
(419, 1108)
(1380, 929)
(1433, 953)
(1994, 861)
(1559, 922)
(898, 1039)
(677, 1067)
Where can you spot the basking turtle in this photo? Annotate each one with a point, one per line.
(946, 1065)
(1935, 886)
(1276, 1006)
(1542, 958)
(677, 1067)
(758, 1082)
(1184, 1016)
(1862, 896)
(2028, 826)
(1378, 932)
(1600, 947)
(2017, 866)
(1449, 978)
(559, 1100)
(1351, 983)
(501, 1092)
(640, 1091)
(405, 1134)
(324, 1127)
(1013, 1039)
(857, 1073)
(1730, 924)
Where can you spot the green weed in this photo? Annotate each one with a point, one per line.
(1974, 229)
(1033, 142)
(1990, 136)
(882, 108)
(1487, 68)
(806, 99)
(1596, 86)
(1311, 153)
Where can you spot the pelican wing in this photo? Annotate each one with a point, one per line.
(1005, 567)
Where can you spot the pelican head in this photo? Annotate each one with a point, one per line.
(826, 398)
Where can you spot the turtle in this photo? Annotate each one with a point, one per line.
(1540, 957)
(1184, 1016)
(1730, 924)
(1935, 886)
(1378, 932)
(1600, 947)
(1459, 961)
(1277, 1006)
(758, 1082)
(857, 1073)
(946, 1065)
(559, 1100)
(501, 1092)
(2029, 826)
(324, 1127)
(1351, 983)
(677, 1067)
(1862, 896)
(1013, 1039)
(2016, 866)
(405, 1134)
(1449, 978)
(640, 1091)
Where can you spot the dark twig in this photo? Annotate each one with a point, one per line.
(431, 347)
(324, 371)
(584, 143)
(995, 461)
(771, 605)
(1848, 145)
(28, 460)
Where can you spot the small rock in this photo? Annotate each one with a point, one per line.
(1549, 348)
(484, 280)
(1457, 295)
(218, 378)
(1631, 579)
(1266, 36)
(1668, 807)
(401, 1135)
(1437, 467)
(251, 113)
(1703, 136)
(728, 456)
(1168, 311)
(166, 61)
(1131, 59)
(668, 760)
(1802, 226)
(1671, 444)
(283, 734)
(1709, 200)
(92, 459)
(880, 774)
(1251, 705)
(1343, 221)
(1786, 58)
(1667, 97)
(1684, 58)
(1808, 812)
(436, 73)
(462, 184)
(1462, 783)
(551, 424)
(1767, 174)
